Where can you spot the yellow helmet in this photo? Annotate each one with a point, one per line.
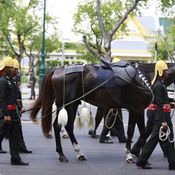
(6, 62)
(115, 59)
(159, 68)
(15, 64)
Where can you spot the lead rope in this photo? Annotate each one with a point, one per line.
(165, 134)
(115, 117)
(172, 113)
(83, 89)
(64, 86)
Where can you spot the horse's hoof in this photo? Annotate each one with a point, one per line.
(63, 159)
(81, 157)
(130, 161)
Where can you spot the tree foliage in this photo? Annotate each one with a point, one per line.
(100, 22)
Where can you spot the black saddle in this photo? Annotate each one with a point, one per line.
(74, 68)
(123, 71)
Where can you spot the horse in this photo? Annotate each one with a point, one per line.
(147, 70)
(67, 86)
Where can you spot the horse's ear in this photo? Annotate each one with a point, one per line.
(63, 117)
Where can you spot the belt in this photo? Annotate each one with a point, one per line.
(166, 108)
(152, 107)
(11, 107)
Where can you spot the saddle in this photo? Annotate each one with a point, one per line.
(74, 68)
(123, 72)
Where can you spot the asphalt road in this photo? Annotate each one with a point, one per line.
(103, 159)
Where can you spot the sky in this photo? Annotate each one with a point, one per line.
(63, 11)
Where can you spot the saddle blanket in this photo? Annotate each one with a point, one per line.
(104, 74)
(74, 68)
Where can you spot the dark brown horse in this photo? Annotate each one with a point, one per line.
(66, 88)
(147, 70)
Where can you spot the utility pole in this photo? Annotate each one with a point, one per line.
(42, 68)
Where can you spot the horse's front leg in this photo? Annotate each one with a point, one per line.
(57, 129)
(130, 133)
(70, 130)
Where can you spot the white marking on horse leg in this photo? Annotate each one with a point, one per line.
(129, 157)
(78, 151)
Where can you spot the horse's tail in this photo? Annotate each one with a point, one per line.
(45, 101)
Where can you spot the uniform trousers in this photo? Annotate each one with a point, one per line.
(152, 142)
(12, 128)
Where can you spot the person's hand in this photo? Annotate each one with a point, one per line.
(22, 110)
(7, 119)
(164, 125)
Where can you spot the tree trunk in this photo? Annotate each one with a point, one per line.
(32, 77)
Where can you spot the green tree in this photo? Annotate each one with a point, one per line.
(33, 51)
(166, 44)
(102, 21)
(16, 24)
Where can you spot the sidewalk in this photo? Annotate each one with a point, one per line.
(27, 103)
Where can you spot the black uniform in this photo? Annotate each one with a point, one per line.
(8, 108)
(148, 130)
(21, 144)
(160, 98)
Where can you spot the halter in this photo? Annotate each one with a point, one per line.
(143, 78)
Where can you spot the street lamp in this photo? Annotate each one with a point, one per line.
(42, 68)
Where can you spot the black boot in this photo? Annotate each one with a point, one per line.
(172, 166)
(135, 150)
(122, 139)
(143, 165)
(18, 161)
(25, 151)
(105, 139)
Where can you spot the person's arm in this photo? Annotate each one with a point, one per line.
(3, 92)
(159, 94)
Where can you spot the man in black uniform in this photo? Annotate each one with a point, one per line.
(21, 144)
(151, 112)
(162, 119)
(8, 110)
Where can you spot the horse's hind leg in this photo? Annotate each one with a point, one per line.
(142, 139)
(98, 119)
(70, 130)
(130, 133)
(57, 129)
